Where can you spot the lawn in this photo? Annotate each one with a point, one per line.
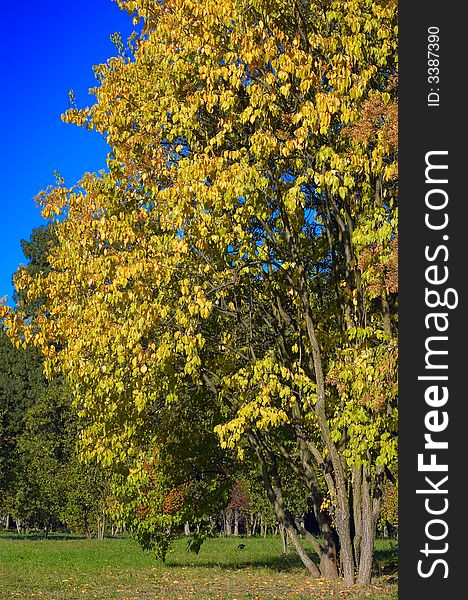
(67, 567)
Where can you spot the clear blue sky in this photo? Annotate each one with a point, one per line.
(48, 48)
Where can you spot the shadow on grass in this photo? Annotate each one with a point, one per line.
(289, 562)
(385, 558)
(385, 562)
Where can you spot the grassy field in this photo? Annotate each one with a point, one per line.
(73, 568)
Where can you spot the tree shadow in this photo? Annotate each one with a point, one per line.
(385, 562)
(280, 563)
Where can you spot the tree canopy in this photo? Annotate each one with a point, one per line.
(236, 263)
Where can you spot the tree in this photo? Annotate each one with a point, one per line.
(183, 477)
(21, 382)
(42, 480)
(87, 501)
(243, 242)
(35, 251)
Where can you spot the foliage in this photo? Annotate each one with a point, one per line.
(389, 513)
(242, 248)
(42, 481)
(21, 382)
(185, 479)
(35, 251)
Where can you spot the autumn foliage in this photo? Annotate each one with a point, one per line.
(237, 260)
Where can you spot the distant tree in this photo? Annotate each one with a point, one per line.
(35, 251)
(87, 498)
(21, 383)
(42, 480)
(388, 521)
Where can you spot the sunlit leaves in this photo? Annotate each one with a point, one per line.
(243, 236)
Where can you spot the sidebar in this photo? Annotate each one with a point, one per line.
(433, 239)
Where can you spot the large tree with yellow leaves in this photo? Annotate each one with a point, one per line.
(242, 243)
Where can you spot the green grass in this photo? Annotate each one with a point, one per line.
(65, 567)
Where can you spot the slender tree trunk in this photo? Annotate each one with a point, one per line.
(284, 539)
(367, 544)
(227, 523)
(236, 522)
(254, 525)
(248, 524)
(342, 516)
(186, 529)
(357, 511)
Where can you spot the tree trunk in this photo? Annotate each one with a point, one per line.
(104, 523)
(327, 553)
(371, 499)
(227, 523)
(274, 491)
(308, 563)
(254, 525)
(367, 544)
(342, 516)
(357, 511)
(284, 539)
(186, 529)
(236, 522)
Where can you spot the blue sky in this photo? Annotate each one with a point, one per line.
(49, 47)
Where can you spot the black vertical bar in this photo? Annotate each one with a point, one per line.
(433, 271)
